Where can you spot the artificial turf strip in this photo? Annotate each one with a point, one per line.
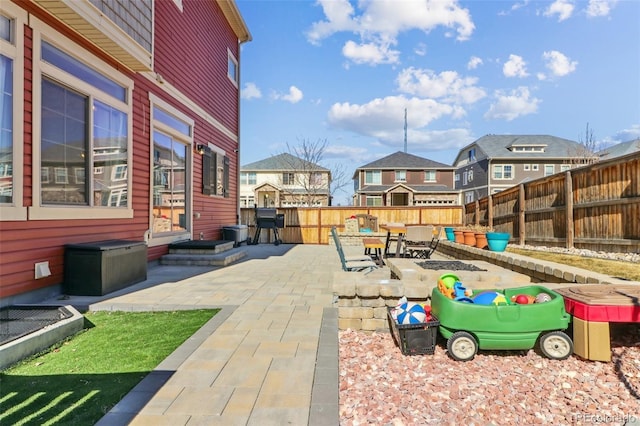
(79, 380)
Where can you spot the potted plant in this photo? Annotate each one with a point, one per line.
(497, 241)
(469, 236)
(481, 235)
(458, 235)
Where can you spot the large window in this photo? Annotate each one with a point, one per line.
(372, 177)
(69, 141)
(83, 129)
(172, 136)
(401, 176)
(502, 171)
(12, 20)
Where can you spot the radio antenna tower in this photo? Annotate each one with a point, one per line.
(405, 130)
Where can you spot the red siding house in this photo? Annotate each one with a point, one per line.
(124, 125)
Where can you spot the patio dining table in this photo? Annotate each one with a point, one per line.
(396, 229)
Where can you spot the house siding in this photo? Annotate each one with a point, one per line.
(26, 242)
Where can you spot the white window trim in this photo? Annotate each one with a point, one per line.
(235, 79)
(502, 166)
(527, 167)
(396, 176)
(435, 176)
(535, 167)
(167, 238)
(16, 210)
(376, 172)
(549, 165)
(43, 31)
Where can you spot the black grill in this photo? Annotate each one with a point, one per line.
(268, 218)
(18, 321)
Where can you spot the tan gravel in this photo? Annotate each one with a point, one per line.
(380, 386)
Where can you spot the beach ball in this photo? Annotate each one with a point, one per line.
(542, 297)
(490, 298)
(410, 313)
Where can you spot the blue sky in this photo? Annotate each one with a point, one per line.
(345, 71)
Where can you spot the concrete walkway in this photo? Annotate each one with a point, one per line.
(270, 357)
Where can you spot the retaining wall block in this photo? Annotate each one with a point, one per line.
(355, 312)
(374, 324)
(352, 323)
(373, 303)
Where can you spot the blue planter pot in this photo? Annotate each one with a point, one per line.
(498, 241)
(449, 232)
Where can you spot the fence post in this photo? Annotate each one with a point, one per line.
(477, 218)
(568, 196)
(521, 215)
(490, 211)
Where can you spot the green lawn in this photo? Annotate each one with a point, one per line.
(81, 379)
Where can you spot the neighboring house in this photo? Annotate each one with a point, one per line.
(620, 149)
(497, 162)
(402, 179)
(284, 180)
(124, 125)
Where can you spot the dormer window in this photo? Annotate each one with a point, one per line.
(472, 154)
(527, 148)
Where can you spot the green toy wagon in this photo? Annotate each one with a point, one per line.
(502, 324)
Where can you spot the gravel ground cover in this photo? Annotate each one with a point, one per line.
(380, 386)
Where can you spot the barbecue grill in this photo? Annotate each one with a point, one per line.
(267, 218)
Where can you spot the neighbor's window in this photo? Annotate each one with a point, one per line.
(503, 171)
(549, 169)
(565, 167)
(372, 177)
(527, 167)
(535, 167)
(288, 178)
(430, 176)
(84, 125)
(374, 200)
(401, 176)
(248, 178)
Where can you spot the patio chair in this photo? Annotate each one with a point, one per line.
(421, 241)
(356, 263)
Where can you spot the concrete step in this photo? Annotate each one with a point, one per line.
(200, 247)
(195, 259)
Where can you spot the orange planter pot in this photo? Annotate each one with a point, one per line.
(481, 240)
(458, 237)
(470, 238)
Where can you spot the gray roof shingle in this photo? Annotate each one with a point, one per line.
(282, 162)
(403, 160)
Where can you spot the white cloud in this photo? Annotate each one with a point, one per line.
(563, 9)
(474, 62)
(250, 91)
(294, 96)
(626, 135)
(448, 85)
(420, 49)
(369, 53)
(381, 21)
(600, 7)
(558, 63)
(515, 67)
(382, 117)
(509, 106)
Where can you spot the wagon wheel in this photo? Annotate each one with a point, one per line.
(462, 346)
(556, 345)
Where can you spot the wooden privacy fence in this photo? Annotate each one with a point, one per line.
(311, 225)
(596, 207)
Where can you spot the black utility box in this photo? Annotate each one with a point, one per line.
(95, 269)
